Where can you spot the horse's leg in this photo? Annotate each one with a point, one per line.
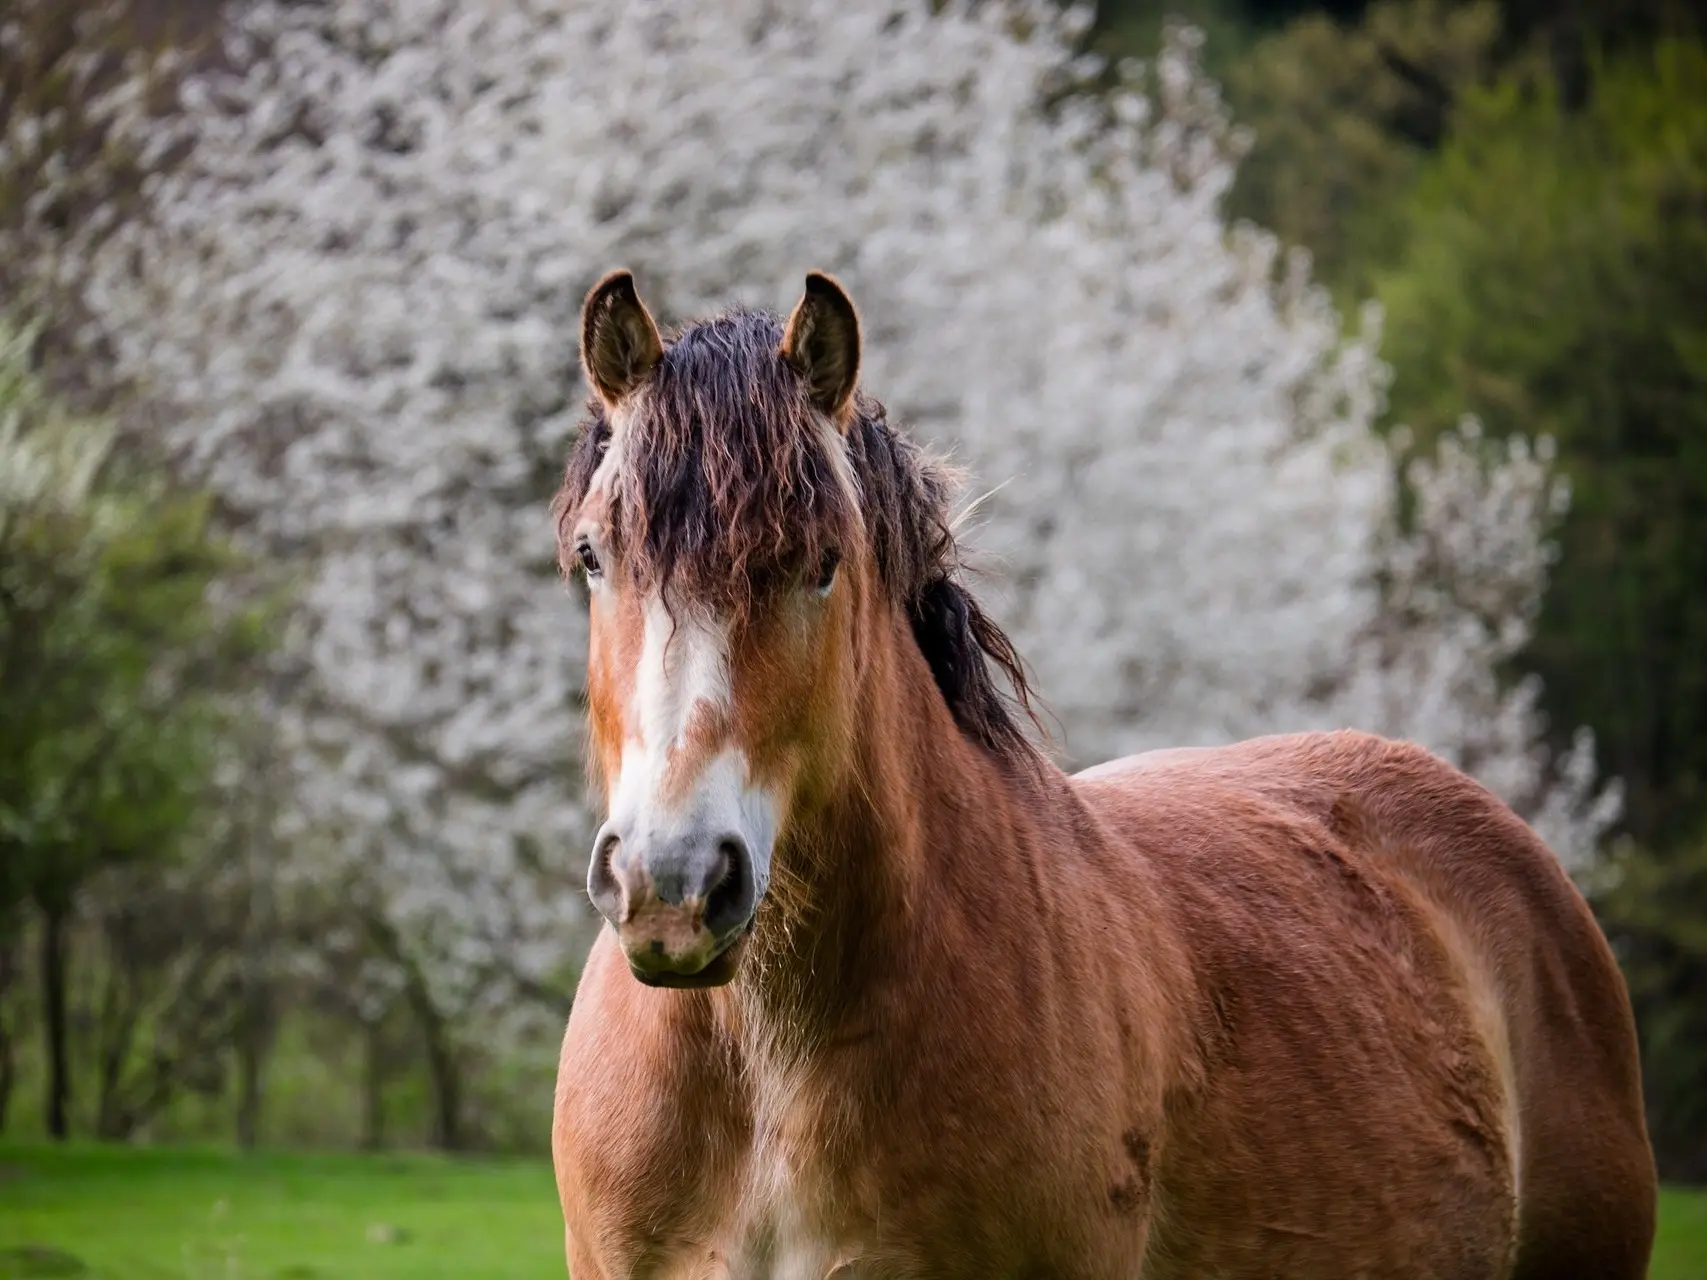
(581, 1263)
(1607, 1246)
(1612, 1260)
(1588, 1199)
(583, 1266)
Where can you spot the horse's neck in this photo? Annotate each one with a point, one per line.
(926, 821)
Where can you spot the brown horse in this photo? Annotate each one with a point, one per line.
(886, 994)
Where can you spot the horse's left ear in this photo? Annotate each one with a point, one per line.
(822, 342)
(620, 345)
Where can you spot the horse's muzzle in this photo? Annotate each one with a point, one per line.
(679, 905)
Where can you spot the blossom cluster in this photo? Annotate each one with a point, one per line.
(351, 307)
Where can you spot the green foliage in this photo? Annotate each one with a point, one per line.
(1343, 117)
(1133, 29)
(318, 1067)
(1555, 281)
(111, 646)
(1656, 907)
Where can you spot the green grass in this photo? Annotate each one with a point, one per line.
(128, 1214)
(1681, 1251)
(108, 1213)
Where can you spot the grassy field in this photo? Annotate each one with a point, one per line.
(118, 1214)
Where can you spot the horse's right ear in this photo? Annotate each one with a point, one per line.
(822, 342)
(620, 345)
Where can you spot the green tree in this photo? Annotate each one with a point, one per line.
(1656, 909)
(1346, 103)
(115, 663)
(1342, 119)
(1555, 280)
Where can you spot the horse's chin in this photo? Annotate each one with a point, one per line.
(718, 972)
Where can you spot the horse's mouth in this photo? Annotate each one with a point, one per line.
(717, 972)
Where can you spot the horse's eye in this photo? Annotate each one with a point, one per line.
(589, 559)
(827, 572)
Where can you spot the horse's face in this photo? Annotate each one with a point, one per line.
(719, 666)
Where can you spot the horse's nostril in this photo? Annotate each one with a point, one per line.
(731, 850)
(730, 902)
(603, 886)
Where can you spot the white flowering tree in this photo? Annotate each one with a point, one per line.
(353, 302)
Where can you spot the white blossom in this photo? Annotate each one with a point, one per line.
(353, 308)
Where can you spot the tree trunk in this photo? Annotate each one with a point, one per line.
(8, 1074)
(8, 1061)
(373, 1085)
(53, 986)
(441, 1066)
(254, 1038)
(258, 1019)
(116, 1027)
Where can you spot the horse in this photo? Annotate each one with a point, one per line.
(882, 992)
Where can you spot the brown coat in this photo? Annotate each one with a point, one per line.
(1307, 1006)
(1316, 1006)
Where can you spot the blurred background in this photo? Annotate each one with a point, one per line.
(1315, 365)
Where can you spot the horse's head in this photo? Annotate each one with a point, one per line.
(751, 530)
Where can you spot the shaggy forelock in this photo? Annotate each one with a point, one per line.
(728, 484)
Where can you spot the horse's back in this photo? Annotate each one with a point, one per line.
(1358, 908)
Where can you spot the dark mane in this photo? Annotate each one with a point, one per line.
(728, 483)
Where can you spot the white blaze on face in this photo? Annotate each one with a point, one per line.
(604, 475)
(683, 673)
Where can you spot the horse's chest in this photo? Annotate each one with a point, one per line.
(786, 1239)
(796, 1218)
